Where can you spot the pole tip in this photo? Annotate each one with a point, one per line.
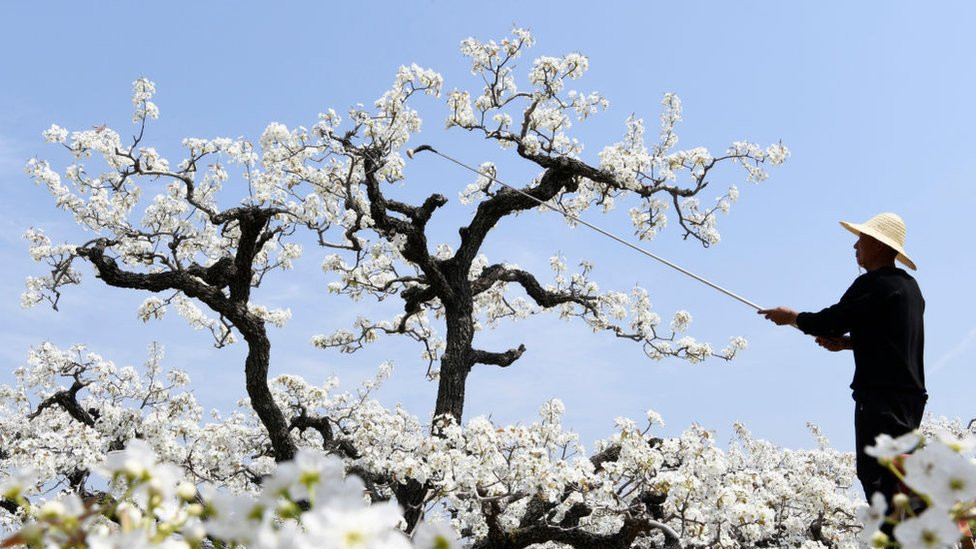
(411, 152)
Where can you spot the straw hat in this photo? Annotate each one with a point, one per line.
(887, 228)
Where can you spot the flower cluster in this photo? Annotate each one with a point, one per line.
(545, 107)
(142, 91)
(308, 502)
(606, 311)
(629, 166)
(938, 503)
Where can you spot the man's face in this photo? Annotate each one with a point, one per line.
(867, 250)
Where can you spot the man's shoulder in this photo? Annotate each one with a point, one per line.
(883, 280)
(886, 273)
(892, 280)
(900, 275)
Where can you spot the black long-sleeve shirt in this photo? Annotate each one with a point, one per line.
(882, 311)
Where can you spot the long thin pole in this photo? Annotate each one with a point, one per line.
(678, 268)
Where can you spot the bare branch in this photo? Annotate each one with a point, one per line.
(67, 400)
(497, 359)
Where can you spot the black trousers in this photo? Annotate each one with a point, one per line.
(892, 414)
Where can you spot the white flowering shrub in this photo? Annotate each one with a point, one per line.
(545, 111)
(488, 482)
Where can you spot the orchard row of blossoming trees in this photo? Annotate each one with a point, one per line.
(101, 456)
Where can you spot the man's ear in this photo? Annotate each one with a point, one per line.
(886, 250)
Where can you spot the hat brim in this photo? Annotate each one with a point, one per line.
(902, 257)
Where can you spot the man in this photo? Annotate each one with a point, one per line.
(880, 319)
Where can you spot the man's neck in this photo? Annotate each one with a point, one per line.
(877, 266)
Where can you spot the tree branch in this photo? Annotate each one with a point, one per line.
(252, 221)
(497, 359)
(577, 538)
(67, 400)
(506, 202)
(542, 297)
(419, 215)
(218, 275)
(302, 422)
(111, 274)
(413, 298)
(234, 309)
(415, 249)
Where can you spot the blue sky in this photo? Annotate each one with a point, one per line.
(874, 99)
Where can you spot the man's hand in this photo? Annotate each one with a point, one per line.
(835, 344)
(782, 316)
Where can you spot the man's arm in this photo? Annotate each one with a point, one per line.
(834, 321)
(834, 344)
(784, 315)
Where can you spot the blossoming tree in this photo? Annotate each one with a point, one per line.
(501, 486)
(462, 286)
(185, 247)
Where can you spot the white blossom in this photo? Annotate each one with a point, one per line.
(932, 529)
(142, 91)
(942, 474)
(872, 516)
(680, 321)
(55, 134)
(18, 482)
(888, 448)
(435, 535)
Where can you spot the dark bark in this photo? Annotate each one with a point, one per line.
(497, 359)
(499, 273)
(320, 424)
(540, 510)
(535, 511)
(816, 530)
(256, 378)
(413, 298)
(539, 513)
(76, 479)
(610, 454)
(67, 400)
(580, 539)
(388, 226)
(411, 496)
(456, 362)
(9, 506)
(330, 442)
(206, 285)
(448, 281)
(507, 202)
